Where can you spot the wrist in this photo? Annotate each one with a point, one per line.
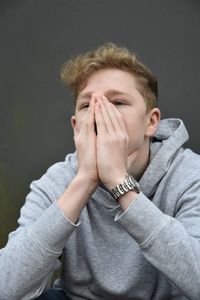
(76, 196)
(86, 182)
(115, 181)
(125, 200)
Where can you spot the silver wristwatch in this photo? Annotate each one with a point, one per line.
(129, 184)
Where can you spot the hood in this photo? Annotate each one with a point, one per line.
(168, 139)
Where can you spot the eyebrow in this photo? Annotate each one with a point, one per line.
(108, 93)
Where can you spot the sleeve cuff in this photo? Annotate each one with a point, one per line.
(142, 219)
(52, 229)
(73, 224)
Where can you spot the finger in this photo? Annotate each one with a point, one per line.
(130, 159)
(101, 129)
(106, 117)
(91, 111)
(115, 116)
(87, 122)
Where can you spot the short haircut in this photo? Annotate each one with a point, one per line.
(76, 71)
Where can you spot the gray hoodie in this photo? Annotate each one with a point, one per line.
(150, 251)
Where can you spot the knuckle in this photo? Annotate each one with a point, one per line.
(89, 123)
(123, 137)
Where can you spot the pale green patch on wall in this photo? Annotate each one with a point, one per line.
(8, 209)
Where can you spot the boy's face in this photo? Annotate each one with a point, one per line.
(121, 90)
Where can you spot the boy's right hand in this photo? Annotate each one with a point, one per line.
(85, 142)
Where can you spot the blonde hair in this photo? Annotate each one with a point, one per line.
(76, 71)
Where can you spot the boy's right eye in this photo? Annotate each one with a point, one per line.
(84, 106)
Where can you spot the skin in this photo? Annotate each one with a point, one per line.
(112, 101)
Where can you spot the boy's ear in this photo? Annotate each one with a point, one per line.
(73, 122)
(154, 119)
(74, 126)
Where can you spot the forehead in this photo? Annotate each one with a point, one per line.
(109, 79)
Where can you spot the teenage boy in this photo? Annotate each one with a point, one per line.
(124, 210)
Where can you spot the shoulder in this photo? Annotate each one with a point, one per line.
(188, 160)
(64, 169)
(57, 177)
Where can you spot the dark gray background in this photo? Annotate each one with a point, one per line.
(37, 36)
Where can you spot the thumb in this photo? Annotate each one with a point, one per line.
(75, 130)
(130, 160)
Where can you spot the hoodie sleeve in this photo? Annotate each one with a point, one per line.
(31, 254)
(171, 244)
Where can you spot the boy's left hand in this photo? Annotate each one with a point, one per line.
(112, 143)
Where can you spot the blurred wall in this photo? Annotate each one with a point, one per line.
(37, 36)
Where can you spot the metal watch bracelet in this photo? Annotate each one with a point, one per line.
(129, 184)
